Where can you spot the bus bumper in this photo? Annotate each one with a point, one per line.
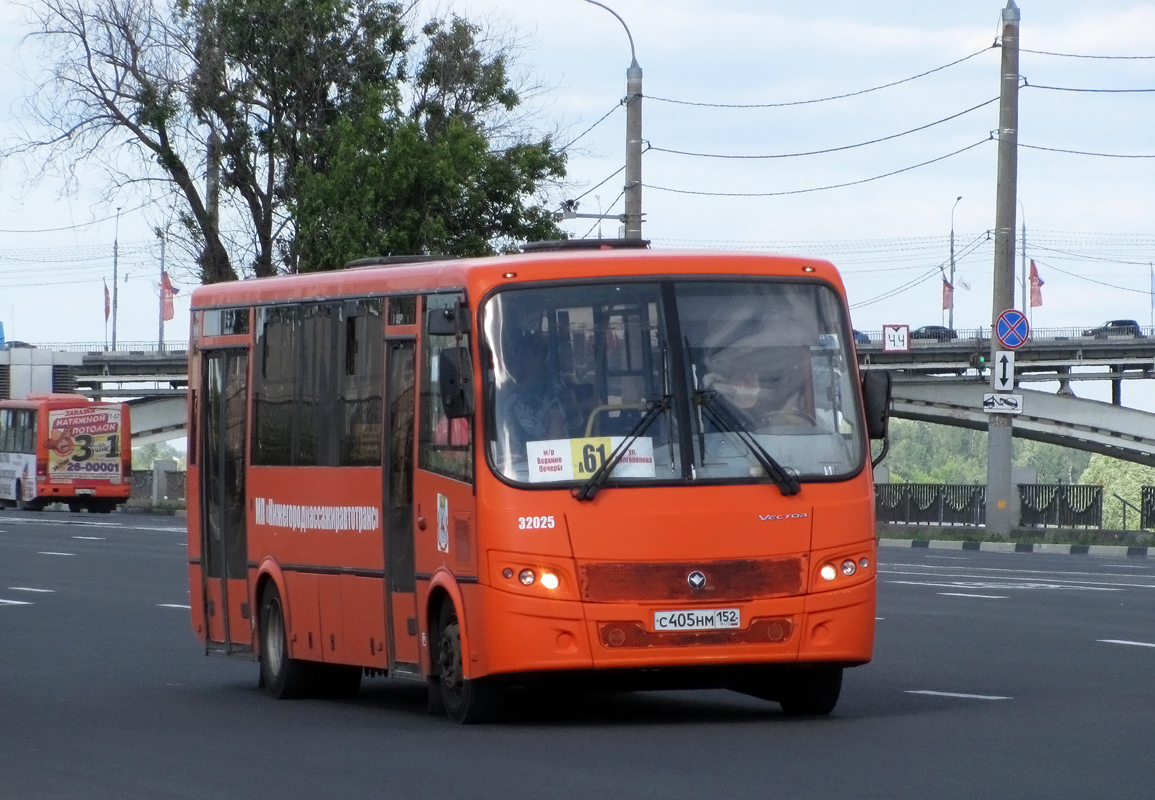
(529, 634)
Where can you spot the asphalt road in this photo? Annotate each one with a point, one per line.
(1016, 676)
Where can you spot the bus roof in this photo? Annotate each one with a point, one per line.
(481, 274)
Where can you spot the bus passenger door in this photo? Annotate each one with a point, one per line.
(224, 418)
(401, 590)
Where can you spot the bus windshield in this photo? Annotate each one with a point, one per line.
(737, 374)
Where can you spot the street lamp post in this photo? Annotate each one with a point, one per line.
(633, 186)
(950, 311)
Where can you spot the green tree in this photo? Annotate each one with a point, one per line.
(144, 455)
(1122, 478)
(296, 112)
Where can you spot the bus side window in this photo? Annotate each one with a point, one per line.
(6, 432)
(446, 445)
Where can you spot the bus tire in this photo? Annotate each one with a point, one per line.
(283, 677)
(467, 702)
(74, 507)
(811, 691)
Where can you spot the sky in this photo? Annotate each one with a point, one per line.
(1090, 222)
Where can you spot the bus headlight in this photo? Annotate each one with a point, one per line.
(828, 572)
(526, 577)
(849, 567)
(549, 580)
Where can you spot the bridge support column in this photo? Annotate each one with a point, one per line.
(1117, 388)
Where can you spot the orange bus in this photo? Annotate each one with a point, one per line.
(619, 468)
(64, 448)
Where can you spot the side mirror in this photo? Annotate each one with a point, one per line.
(448, 321)
(455, 376)
(876, 402)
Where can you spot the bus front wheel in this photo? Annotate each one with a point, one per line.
(283, 677)
(811, 691)
(466, 701)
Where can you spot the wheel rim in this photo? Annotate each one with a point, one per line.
(449, 660)
(274, 638)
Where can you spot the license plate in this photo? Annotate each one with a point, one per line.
(86, 491)
(697, 619)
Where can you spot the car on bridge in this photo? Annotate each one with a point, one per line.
(14, 345)
(1116, 327)
(940, 332)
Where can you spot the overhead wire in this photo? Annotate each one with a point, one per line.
(829, 149)
(1085, 152)
(818, 188)
(968, 248)
(590, 128)
(818, 99)
(1092, 280)
(608, 208)
(1077, 55)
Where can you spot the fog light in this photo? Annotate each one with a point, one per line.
(849, 567)
(864, 563)
(526, 577)
(828, 572)
(549, 580)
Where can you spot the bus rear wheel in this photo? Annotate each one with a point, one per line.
(282, 676)
(811, 691)
(466, 701)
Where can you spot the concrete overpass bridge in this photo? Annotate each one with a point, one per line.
(941, 381)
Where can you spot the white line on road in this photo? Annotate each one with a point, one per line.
(28, 589)
(14, 603)
(956, 694)
(172, 605)
(1003, 584)
(950, 558)
(51, 553)
(963, 594)
(1124, 641)
(90, 538)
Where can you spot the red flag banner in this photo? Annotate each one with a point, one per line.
(1036, 286)
(107, 302)
(947, 295)
(167, 290)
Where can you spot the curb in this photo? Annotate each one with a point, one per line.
(1113, 550)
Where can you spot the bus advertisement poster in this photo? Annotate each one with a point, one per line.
(85, 443)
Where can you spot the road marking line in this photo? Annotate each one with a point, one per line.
(51, 553)
(90, 538)
(956, 694)
(950, 558)
(1005, 585)
(27, 589)
(963, 594)
(172, 605)
(14, 603)
(1124, 641)
(922, 568)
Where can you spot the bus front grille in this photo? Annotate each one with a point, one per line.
(616, 635)
(724, 581)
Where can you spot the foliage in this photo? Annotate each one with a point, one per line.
(922, 452)
(1122, 478)
(295, 111)
(144, 456)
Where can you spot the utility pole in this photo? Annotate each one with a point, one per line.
(633, 187)
(160, 283)
(999, 430)
(950, 323)
(115, 280)
(1025, 297)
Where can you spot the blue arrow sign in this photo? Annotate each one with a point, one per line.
(1012, 329)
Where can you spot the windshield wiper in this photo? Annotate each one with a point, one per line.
(786, 481)
(654, 409)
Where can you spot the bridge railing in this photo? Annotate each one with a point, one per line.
(178, 346)
(1040, 505)
(1089, 332)
(1060, 505)
(930, 503)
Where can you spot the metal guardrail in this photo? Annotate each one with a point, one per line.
(930, 503)
(1061, 506)
(984, 334)
(179, 346)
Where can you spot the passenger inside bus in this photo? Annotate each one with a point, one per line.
(534, 402)
(765, 388)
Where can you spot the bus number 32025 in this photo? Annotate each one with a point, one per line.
(525, 523)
